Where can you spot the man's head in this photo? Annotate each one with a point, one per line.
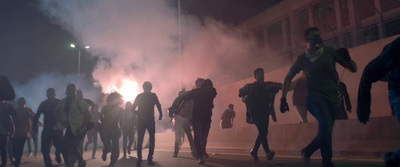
(199, 81)
(230, 106)
(6, 89)
(79, 94)
(21, 102)
(259, 74)
(313, 38)
(51, 93)
(70, 92)
(147, 86)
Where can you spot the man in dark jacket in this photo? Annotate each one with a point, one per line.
(387, 63)
(49, 135)
(259, 97)
(203, 103)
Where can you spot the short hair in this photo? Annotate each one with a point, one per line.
(113, 98)
(147, 85)
(258, 70)
(21, 100)
(199, 82)
(230, 105)
(309, 30)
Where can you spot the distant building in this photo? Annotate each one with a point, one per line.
(342, 23)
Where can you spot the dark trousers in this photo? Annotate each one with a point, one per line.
(18, 149)
(262, 127)
(151, 129)
(92, 138)
(50, 137)
(70, 146)
(3, 149)
(394, 99)
(325, 112)
(200, 130)
(111, 144)
(128, 136)
(34, 137)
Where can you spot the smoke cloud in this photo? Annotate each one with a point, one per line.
(138, 41)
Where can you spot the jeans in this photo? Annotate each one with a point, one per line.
(92, 138)
(151, 128)
(201, 128)
(111, 144)
(325, 112)
(128, 138)
(71, 146)
(394, 99)
(18, 149)
(51, 137)
(3, 149)
(182, 124)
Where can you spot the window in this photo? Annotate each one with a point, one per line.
(344, 12)
(324, 16)
(275, 36)
(387, 5)
(366, 8)
(370, 33)
(392, 27)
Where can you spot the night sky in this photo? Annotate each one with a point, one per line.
(31, 44)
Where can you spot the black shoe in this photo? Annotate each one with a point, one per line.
(254, 155)
(129, 150)
(175, 155)
(139, 162)
(389, 162)
(206, 155)
(150, 163)
(58, 159)
(306, 159)
(270, 156)
(82, 164)
(104, 156)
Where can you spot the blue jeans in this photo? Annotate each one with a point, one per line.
(325, 112)
(394, 99)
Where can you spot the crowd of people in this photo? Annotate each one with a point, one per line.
(319, 90)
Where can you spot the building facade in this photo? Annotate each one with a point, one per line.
(342, 23)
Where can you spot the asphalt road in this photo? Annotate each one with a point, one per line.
(163, 158)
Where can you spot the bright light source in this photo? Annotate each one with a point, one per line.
(72, 45)
(87, 47)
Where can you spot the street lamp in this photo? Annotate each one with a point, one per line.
(79, 59)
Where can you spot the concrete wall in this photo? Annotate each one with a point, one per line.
(362, 55)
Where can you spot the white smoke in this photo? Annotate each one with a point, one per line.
(137, 41)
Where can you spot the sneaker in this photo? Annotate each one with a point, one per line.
(30, 154)
(202, 160)
(93, 157)
(58, 159)
(175, 155)
(254, 155)
(150, 163)
(270, 155)
(306, 159)
(35, 155)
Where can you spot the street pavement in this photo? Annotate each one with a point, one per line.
(218, 158)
